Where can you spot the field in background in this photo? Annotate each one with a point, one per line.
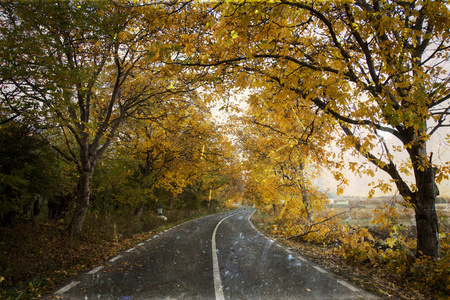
(360, 211)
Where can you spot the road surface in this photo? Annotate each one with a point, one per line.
(216, 257)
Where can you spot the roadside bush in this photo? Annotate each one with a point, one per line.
(431, 275)
(390, 249)
(356, 245)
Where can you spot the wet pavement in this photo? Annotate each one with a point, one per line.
(179, 264)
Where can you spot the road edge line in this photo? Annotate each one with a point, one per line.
(343, 282)
(115, 258)
(348, 285)
(93, 271)
(67, 287)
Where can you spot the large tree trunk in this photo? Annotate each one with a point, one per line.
(82, 204)
(427, 230)
(426, 217)
(424, 200)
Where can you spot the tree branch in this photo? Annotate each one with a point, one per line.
(390, 168)
(310, 227)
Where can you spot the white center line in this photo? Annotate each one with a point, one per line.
(216, 272)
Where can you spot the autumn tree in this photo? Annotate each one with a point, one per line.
(376, 68)
(279, 155)
(83, 68)
(177, 146)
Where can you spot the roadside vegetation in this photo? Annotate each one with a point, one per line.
(38, 199)
(370, 242)
(37, 256)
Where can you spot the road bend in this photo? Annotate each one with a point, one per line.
(215, 257)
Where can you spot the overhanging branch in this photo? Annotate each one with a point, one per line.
(390, 168)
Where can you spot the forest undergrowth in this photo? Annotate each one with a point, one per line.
(35, 259)
(378, 256)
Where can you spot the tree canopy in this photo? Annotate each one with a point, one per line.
(372, 68)
(92, 74)
(83, 68)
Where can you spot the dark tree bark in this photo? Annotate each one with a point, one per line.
(83, 198)
(425, 205)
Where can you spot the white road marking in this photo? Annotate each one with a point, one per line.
(349, 286)
(320, 269)
(140, 244)
(130, 250)
(216, 272)
(249, 217)
(67, 287)
(301, 258)
(93, 271)
(266, 249)
(115, 258)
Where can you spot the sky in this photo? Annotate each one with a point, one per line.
(359, 186)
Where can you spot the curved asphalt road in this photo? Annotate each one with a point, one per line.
(216, 257)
